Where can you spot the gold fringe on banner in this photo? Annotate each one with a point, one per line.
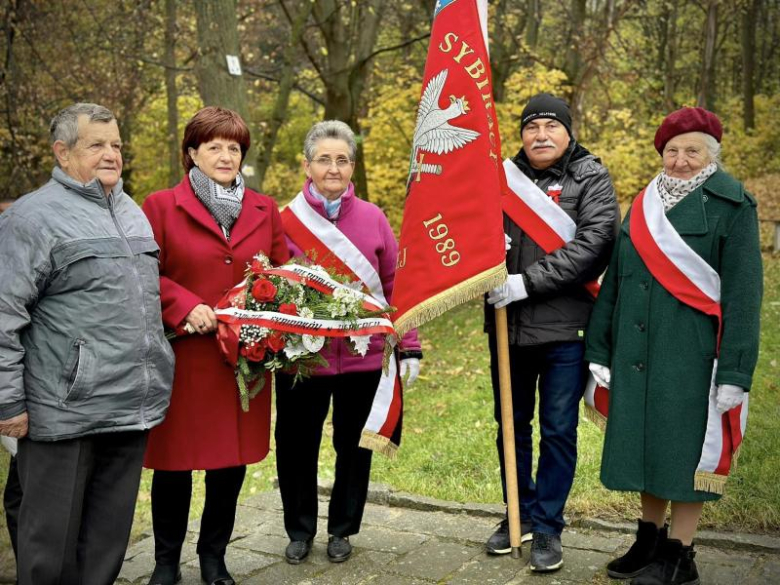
(378, 444)
(704, 481)
(596, 417)
(452, 297)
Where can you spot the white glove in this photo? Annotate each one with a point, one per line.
(729, 396)
(507, 242)
(509, 292)
(601, 374)
(410, 366)
(10, 444)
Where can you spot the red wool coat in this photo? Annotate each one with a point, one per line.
(205, 427)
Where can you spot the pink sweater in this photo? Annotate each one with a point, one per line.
(366, 226)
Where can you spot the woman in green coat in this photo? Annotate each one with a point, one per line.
(656, 353)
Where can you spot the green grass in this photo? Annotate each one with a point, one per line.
(448, 448)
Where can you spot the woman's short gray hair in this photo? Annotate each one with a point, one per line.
(65, 125)
(713, 148)
(335, 129)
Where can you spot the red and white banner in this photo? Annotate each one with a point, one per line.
(452, 246)
(687, 277)
(314, 234)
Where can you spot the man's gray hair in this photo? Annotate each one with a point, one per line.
(335, 129)
(65, 125)
(713, 148)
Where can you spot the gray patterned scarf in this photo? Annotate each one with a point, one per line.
(673, 190)
(224, 204)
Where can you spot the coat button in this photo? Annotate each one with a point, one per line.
(640, 327)
(228, 260)
(644, 285)
(639, 367)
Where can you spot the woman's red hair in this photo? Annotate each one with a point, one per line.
(210, 123)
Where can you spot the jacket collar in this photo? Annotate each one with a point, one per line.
(347, 200)
(254, 210)
(93, 191)
(723, 185)
(689, 216)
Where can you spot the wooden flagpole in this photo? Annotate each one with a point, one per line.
(508, 432)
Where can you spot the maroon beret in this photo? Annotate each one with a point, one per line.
(687, 120)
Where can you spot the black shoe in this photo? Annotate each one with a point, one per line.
(214, 572)
(649, 539)
(297, 550)
(339, 549)
(546, 553)
(673, 565)
(165, 575)
(498, 543)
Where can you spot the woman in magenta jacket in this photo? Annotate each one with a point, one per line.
(208, 228)
(351, 380)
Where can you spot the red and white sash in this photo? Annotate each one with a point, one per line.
(538, 215)
(551, 228)
(318, 237)
(687, 277)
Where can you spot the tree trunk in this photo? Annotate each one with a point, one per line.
(174, 167)
(573, 62)
(279, 113)
(218, 38)
(534, 23)
(706, 97)
(572, 65)
(349, 43)
(670, 59)
(503, 47)
(749, 63)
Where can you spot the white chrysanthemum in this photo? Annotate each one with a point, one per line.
(294, 350)
(313, 343)
(305, 312)
(361, 343)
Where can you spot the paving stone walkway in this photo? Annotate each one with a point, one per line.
(409, 540)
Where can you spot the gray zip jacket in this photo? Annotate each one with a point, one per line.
(82, 347)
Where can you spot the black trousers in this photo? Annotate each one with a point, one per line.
(171, 494)
(78, 499)
(300, 414)
(12, 501)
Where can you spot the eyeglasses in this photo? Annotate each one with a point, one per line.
(327, 162)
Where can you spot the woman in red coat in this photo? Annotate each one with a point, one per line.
(208, 228)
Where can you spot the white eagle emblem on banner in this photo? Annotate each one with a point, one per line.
(433, 132)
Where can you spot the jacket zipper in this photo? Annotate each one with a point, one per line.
(147, 343)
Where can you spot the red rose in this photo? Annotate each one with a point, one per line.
(257, 267)
(263, 290)
(288, 309)
(254, 353)
(274, 342)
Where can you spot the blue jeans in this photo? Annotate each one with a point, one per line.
(559, 369)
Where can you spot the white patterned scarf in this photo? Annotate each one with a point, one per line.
(673, 190)
(224, 204)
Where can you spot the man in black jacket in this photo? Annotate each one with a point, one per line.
(547, 311)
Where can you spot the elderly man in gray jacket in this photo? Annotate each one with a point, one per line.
(85, 369)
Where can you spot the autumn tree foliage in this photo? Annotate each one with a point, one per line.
(623, 64)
